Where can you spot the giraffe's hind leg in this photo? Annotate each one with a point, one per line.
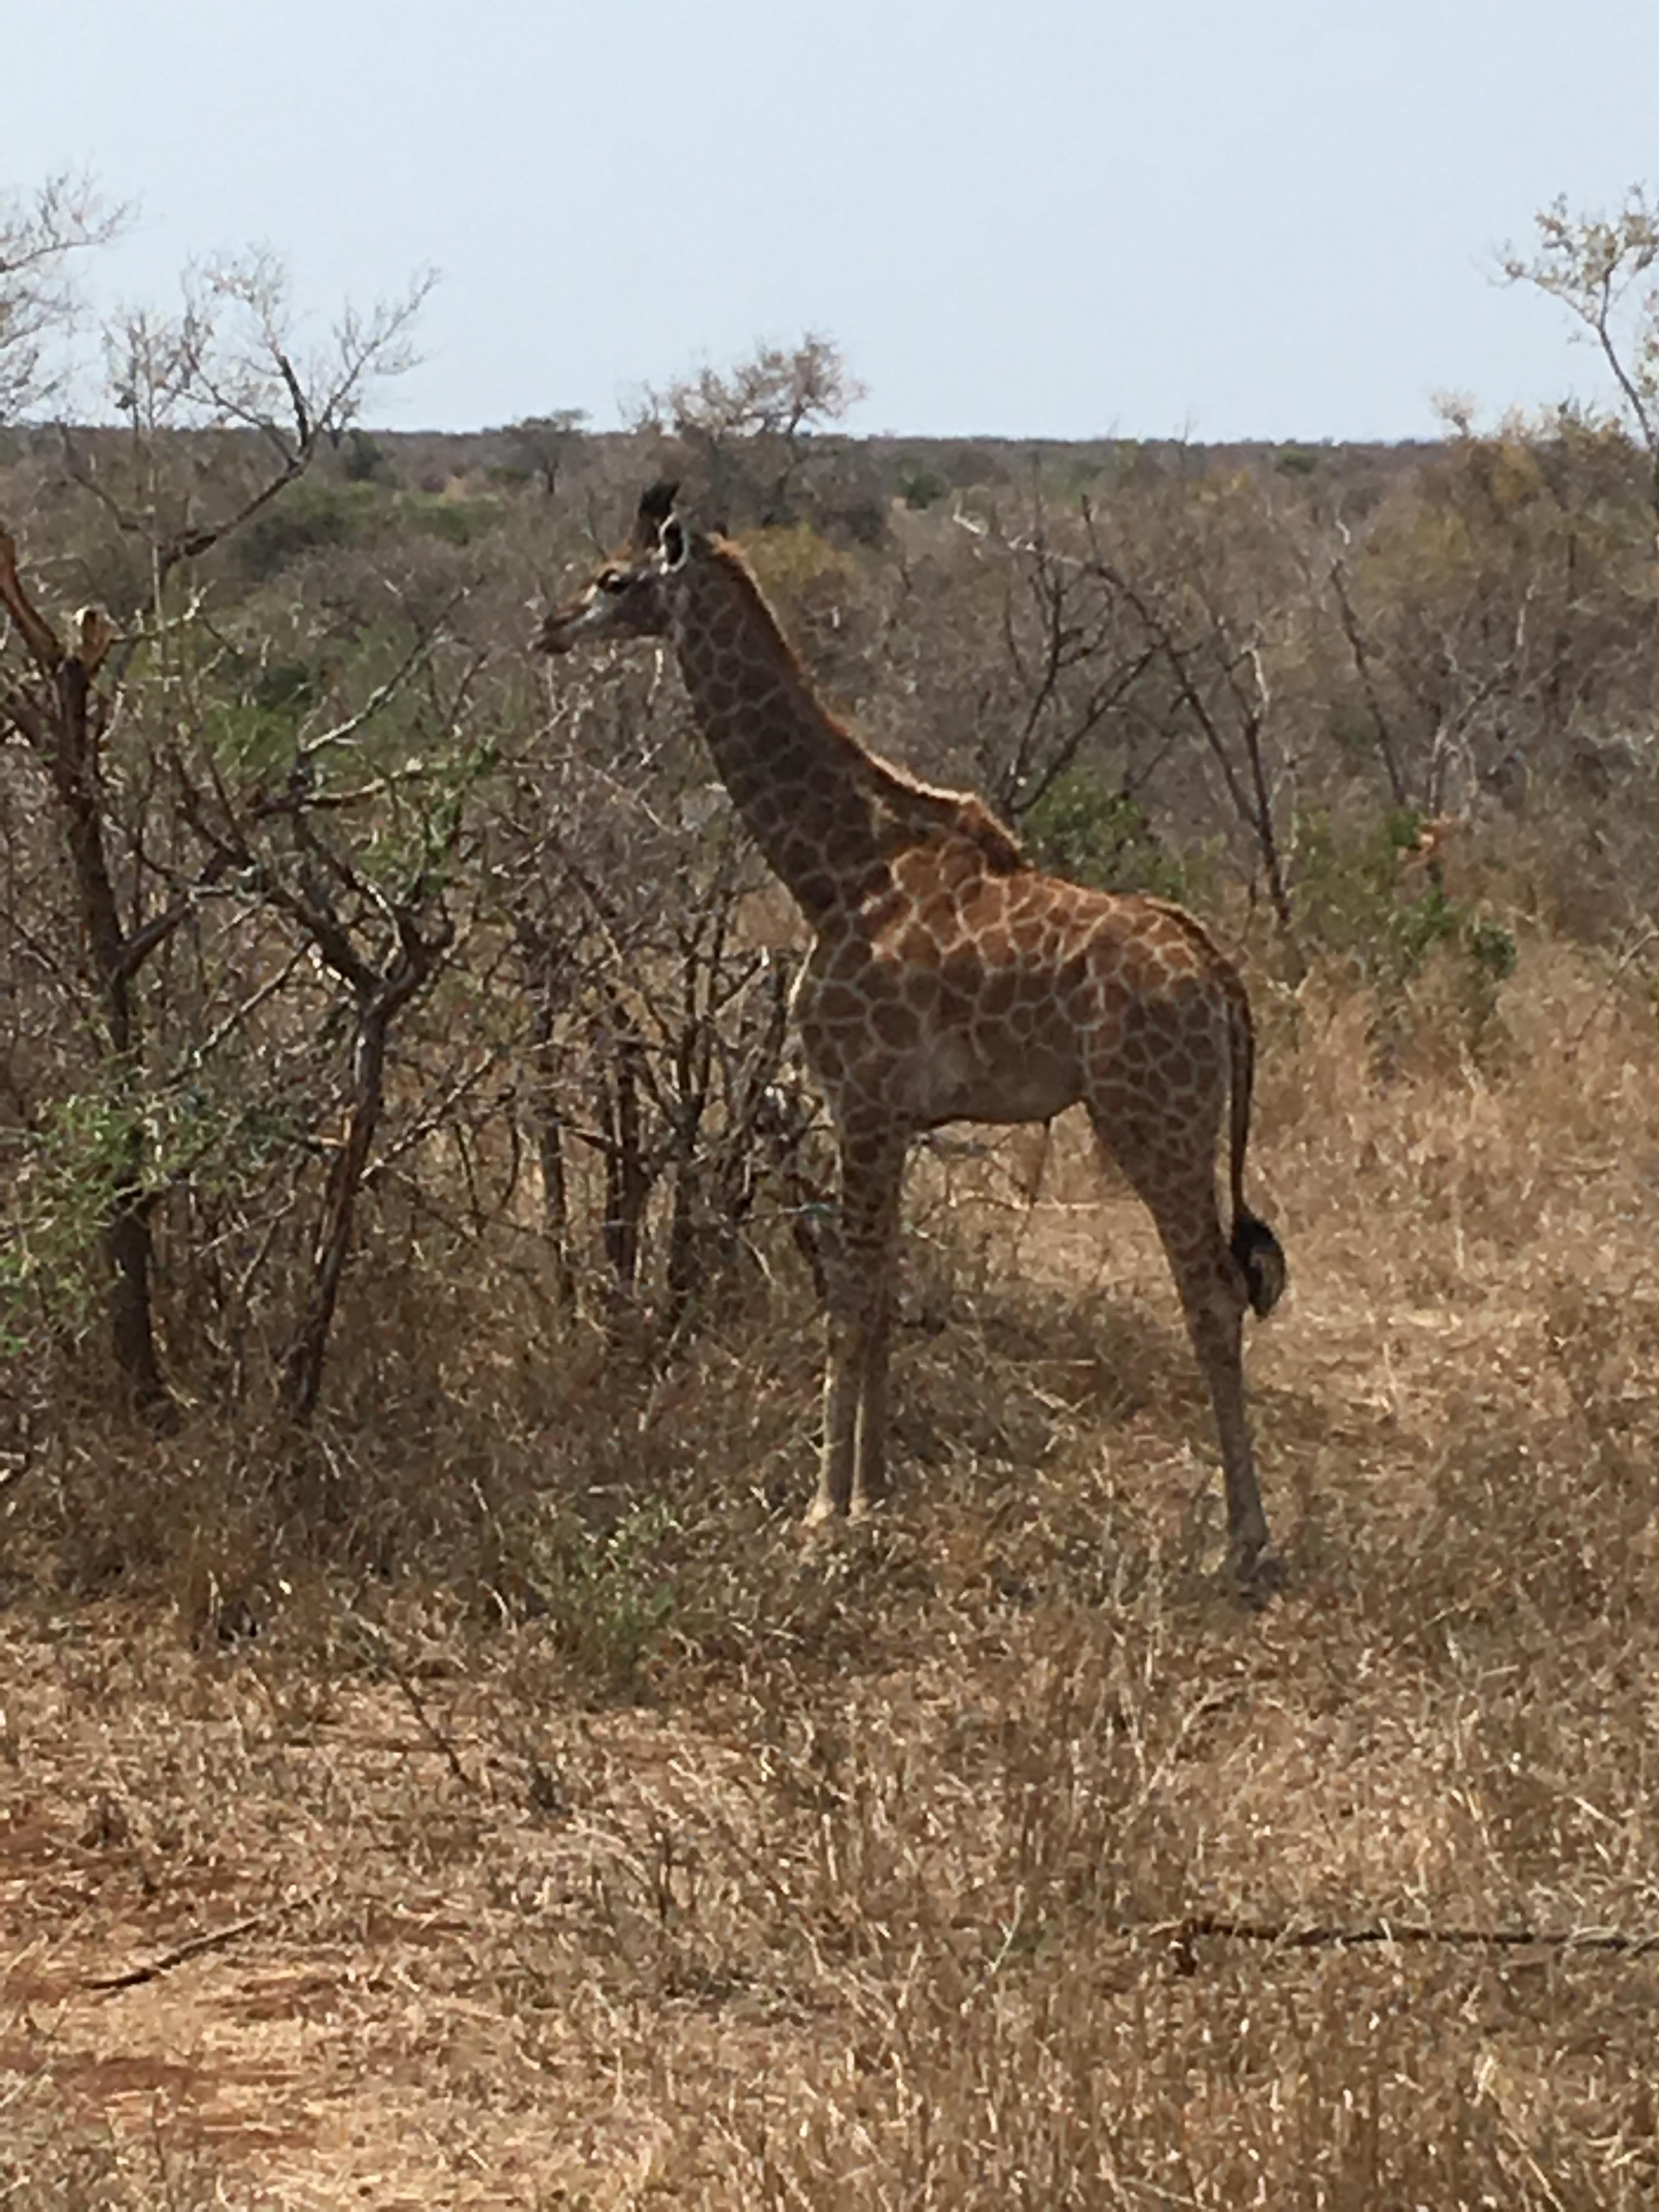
(1173, 1171)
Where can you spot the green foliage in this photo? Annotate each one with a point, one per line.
(1493, 949)
(63, 1177)
(250, 740)
(313, 517)
(284, 687)
(309, 517)
(252, 709)
(919, 487)
(1349, 900)
(1358, 899)
(456, 521)
(253, 730)
(1090, 833)
(68, 1174)
(540, 447)
(606, 1591)
(408, 845)
(363, 457)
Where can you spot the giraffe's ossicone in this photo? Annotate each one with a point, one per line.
(949, 980)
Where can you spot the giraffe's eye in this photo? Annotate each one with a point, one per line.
(613, 579)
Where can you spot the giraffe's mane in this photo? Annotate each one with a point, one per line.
(964, 812)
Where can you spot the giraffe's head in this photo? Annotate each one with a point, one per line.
(630, 596)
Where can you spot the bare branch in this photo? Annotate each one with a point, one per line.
(36, 631)
(66, 217)
(1592, 264)
(229, 360)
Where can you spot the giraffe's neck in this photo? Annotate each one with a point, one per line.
(818, 804)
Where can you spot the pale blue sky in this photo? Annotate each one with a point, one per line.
(1226, 218)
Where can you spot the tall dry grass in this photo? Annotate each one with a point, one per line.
(614, 1845)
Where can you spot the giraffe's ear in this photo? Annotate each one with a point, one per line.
(656, 505)
(676, 543)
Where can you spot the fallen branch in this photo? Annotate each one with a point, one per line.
(216, 1938)
(1286, 1936)
(381, 1645)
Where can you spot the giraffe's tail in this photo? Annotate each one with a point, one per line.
(1259, 1255)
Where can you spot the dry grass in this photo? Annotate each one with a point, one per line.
(865, 1872)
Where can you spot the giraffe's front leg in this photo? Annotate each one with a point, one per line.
(841, 1423)
(869, 1464)
(859, 1286)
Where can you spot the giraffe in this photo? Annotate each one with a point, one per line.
(950, 980)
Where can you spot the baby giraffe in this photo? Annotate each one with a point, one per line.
(948, 981)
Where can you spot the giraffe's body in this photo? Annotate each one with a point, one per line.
(950, 981)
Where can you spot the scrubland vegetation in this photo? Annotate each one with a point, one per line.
(412, 1214)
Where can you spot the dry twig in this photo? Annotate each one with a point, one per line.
(194, 1947)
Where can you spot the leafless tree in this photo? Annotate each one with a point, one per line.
(40, 235)
(230, 359)
(748, 426)
(1213, 661)
(1073, 661)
